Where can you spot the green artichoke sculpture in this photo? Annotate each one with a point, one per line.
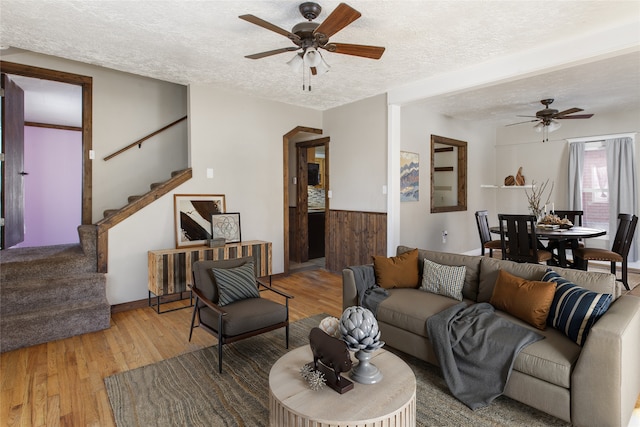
(359, 329)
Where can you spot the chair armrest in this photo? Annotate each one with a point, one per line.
(213, 306)
(277, 291)
(606, 380)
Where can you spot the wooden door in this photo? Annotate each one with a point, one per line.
(13, 165)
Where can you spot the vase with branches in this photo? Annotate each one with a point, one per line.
(535, 197)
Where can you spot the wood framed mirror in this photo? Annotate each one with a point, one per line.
(448, 174)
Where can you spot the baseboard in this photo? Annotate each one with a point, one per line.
(133, 305)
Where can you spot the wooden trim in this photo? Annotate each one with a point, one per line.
(50, 126)
(443, 169)
(443, 150)
(286, 138)
(87, 118)
(106, 223)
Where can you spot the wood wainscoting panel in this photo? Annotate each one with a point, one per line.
(353, 237)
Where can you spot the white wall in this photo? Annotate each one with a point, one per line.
(418, 226)
(240, 138)
(358, 154)
(126, 107)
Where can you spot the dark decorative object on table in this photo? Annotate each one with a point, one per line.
(334, 358)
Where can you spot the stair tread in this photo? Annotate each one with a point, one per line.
(56, 310)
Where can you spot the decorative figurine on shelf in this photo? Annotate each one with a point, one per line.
(359, 329)
(331, 357)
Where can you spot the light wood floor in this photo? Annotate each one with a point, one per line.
(61, 383)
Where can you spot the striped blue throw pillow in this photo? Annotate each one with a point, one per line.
(235, 284)
(574, 310)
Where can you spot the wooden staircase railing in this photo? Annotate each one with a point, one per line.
(141, 140)
(103, 226)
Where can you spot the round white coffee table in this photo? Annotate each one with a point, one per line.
(391, 402)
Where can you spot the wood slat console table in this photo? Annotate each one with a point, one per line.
(170, 270)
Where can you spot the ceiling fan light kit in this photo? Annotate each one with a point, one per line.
(548, 118)
(309, 37)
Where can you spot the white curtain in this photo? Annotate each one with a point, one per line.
(623, 186)
(576, 162)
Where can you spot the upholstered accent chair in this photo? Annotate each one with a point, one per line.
(619, 251)
(228, 303)
(482, 220)
(519, 241)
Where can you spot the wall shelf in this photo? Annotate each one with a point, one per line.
(506, 186)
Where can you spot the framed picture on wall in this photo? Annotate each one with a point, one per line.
(192, 214)
(409, 177)
(227, 226)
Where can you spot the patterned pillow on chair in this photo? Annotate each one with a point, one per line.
(235, 284)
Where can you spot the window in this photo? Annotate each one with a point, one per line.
(595, 187)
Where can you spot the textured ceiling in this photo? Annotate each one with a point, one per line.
(204, 42)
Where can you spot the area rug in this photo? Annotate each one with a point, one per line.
(188, 390)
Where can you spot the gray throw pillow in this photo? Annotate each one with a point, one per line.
(235, 284)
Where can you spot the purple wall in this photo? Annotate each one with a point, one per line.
(53, 188)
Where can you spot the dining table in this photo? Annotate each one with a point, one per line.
(562, 238)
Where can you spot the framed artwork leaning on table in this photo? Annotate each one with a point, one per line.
(192, 216)
(227, 226)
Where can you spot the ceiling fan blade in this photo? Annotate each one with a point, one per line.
(519, 123)
(569, 111)
(520, 115)
(576, 116)
(269, 26)
(373, 52)
(271, 52)
(341, 16)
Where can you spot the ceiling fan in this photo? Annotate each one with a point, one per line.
(549, 116)
(308, 37)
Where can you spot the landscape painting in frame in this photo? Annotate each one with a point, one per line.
(409, 177)
(192, 213)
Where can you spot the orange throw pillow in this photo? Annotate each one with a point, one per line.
(397, 272)
(525, 299)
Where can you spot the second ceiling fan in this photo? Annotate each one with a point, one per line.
(308, 37)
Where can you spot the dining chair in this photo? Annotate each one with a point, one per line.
(576, 219)
(482, 220)
(619, 250)
(518, 239)
(228, 303)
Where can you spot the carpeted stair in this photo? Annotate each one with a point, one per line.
(51, 292)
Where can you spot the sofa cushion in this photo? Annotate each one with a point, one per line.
(551, 359)
(409, 309)
(574, 309)
(472, 264)
(397, 272)
(235, 284)
(443, 279)
(528, 300)
(592, 280)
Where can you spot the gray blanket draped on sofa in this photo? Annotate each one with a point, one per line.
(476, 349)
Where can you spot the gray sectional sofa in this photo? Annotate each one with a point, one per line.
(593, 385)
